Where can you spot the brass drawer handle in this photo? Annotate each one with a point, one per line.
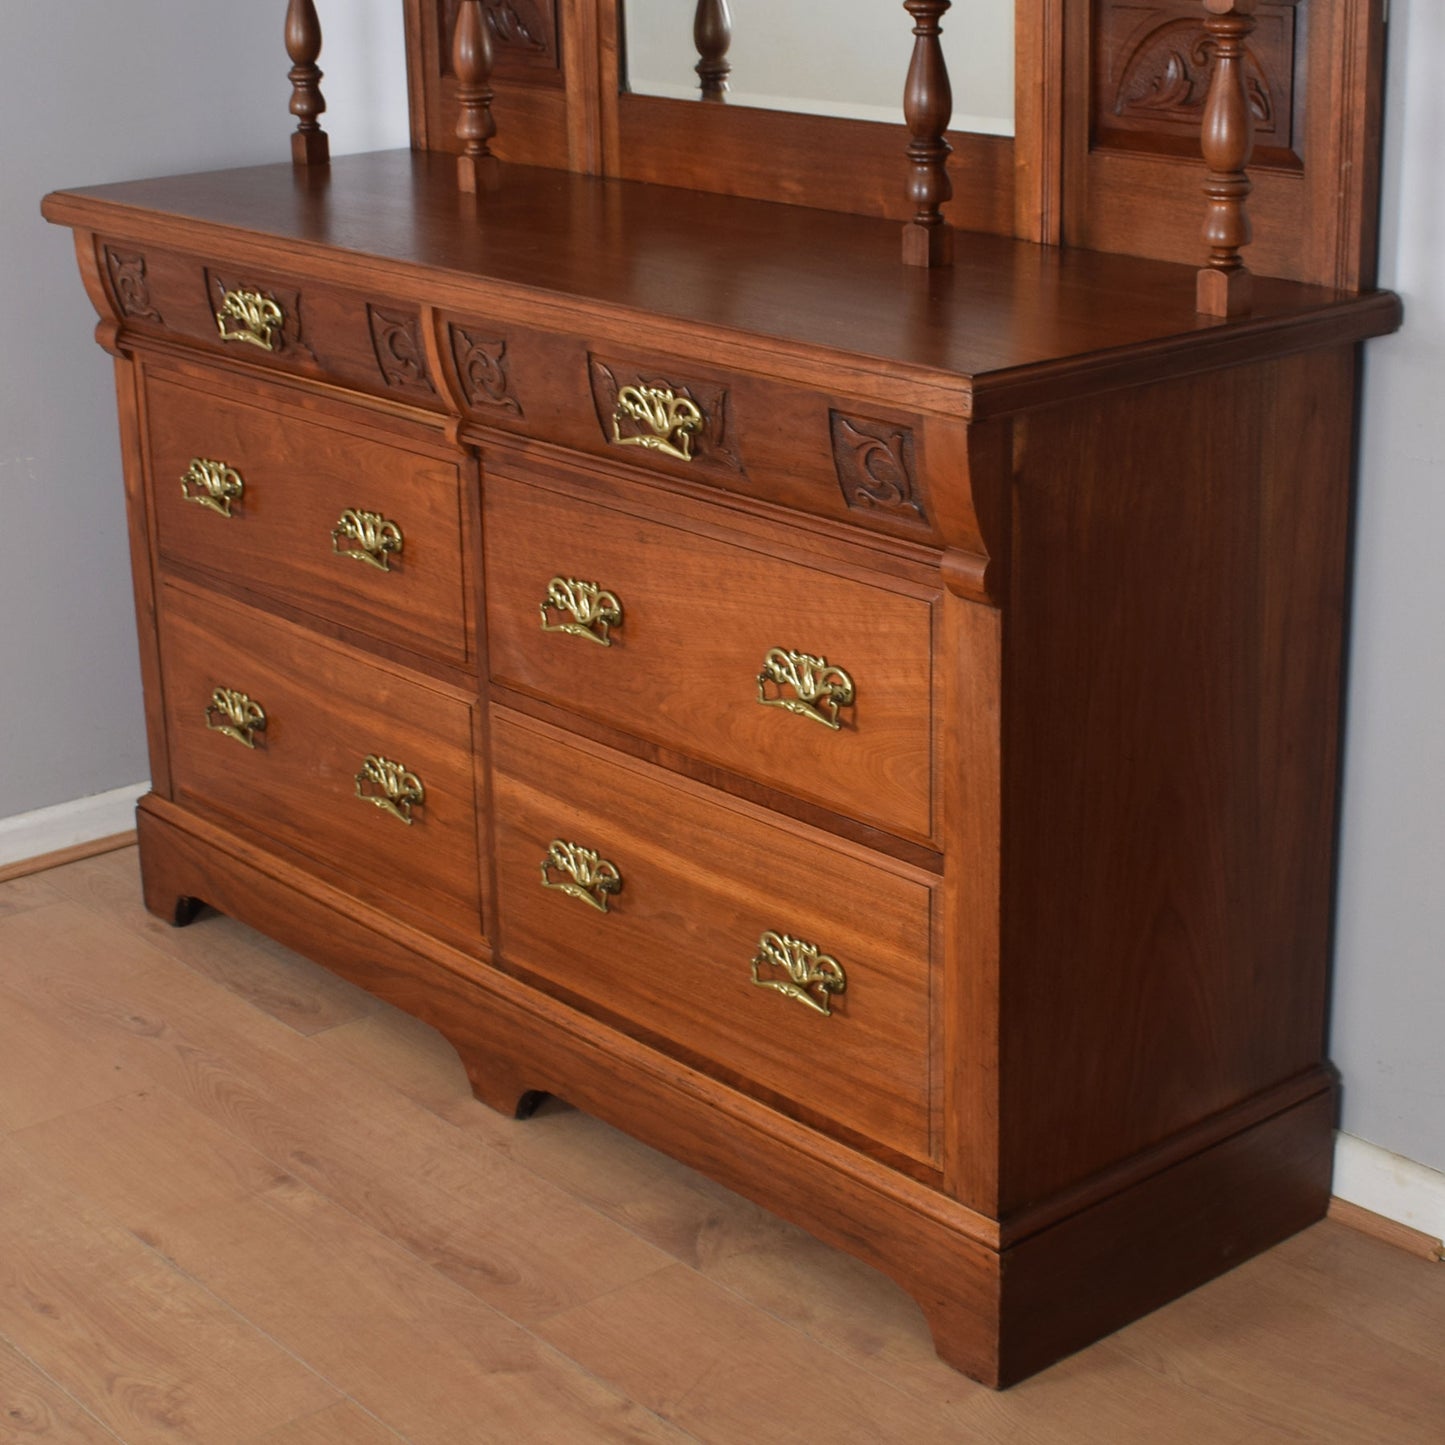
(368, 537)
(250, 317)
(668, 421)
(236, 716)
(809, 976)
(213, 485)
(585, 876)
(390, 787)
(594, 612)
(820, 688)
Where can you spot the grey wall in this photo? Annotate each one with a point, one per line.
(93, 91)
(88, 93)
(1389, 1003)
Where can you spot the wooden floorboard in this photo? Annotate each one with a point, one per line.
(240, 1201)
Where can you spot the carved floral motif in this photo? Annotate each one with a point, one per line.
(128, 282)
(876, 467)
(1153, 64)
(396, 340)
(527, 28)
(516, 22)
(483, 370)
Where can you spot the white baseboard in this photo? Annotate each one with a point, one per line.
(48, 830)
(1389, 1184)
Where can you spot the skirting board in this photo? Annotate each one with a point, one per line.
(48, 830)
(1390, 1185)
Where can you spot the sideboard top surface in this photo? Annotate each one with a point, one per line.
(804, 279)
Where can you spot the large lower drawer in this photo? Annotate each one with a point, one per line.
(325, 750)
(816, 683)
(747, 943)
(311, 507)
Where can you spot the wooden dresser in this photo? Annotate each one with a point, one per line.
(868, 730)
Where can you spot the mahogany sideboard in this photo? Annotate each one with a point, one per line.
(867, 730)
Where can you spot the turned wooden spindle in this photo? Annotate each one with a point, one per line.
(1225, 285)
(927, 107)
(712, 34)
(309, 145)
(472, 61)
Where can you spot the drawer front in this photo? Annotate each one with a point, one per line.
(814, 683)
(269, 319)
(273, 728)
(660, 902)
(364, 532)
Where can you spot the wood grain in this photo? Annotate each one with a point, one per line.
(343, 1424)
(34, 1407)
(327, 710)
(1329, 1337)
(683, 665)
(300, 474)
(773, 284)
(175, 1035)
(61, 856)
(140, 1344)
(1191, 945)
(701, 883)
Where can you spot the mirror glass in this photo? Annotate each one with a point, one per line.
(829, 57)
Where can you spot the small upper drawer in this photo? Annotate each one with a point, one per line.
(267, 318)
(313, 509)
(809, 681)
(755, 947)
(368, 772)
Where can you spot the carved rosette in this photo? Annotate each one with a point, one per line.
(876, 467)
(129, 286)
(660, 415)
(484, 372)
(396, 340)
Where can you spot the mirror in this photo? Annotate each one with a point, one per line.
(827, 57)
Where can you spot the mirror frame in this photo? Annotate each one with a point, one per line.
(1063, 178)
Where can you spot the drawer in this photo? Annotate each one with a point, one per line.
(273, 727)
(701, 894)
(254, 315)
(313, 509)
(812, 682)
(701, 422)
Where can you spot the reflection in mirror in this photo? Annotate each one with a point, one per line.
(824, 57)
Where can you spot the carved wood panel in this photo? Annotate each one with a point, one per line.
(877, 470)
(130, 287)
(484, 371)
(1152, 65)
(524, 34)
(396, 340)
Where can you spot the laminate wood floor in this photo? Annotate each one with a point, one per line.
(241, 1201)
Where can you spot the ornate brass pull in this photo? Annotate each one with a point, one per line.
(585, 876)
(370, 536)
(212, 484)
(250, 317)
(809, 976)
(669, 421)
(390, 787)
(593, 611)
(821, 688)
(235, 715)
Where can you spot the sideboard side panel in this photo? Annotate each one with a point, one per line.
(1172, 685)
